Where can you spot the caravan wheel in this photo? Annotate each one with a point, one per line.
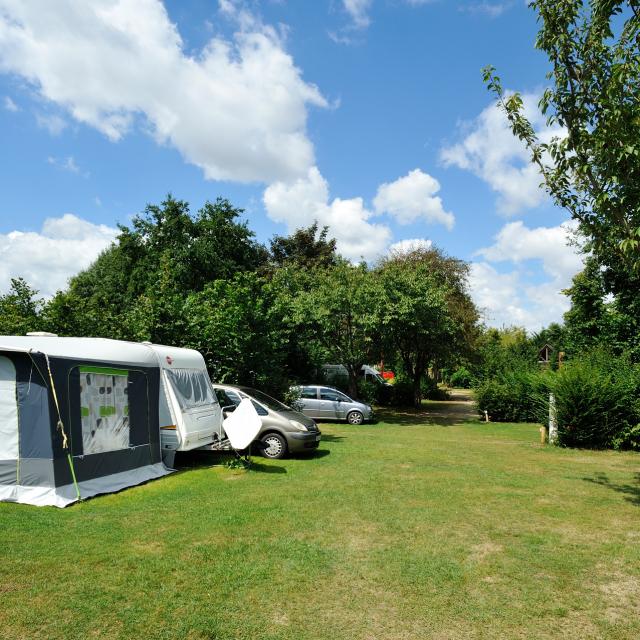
(275, 446)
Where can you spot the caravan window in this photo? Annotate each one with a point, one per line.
(104, 400)
(192, 387)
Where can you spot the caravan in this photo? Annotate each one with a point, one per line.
(83, 416)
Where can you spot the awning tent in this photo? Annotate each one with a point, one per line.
(78, 417)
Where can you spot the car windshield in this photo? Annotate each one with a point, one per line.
(266, 400)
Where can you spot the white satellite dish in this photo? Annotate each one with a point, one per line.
(243, 425)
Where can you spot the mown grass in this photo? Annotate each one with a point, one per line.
(402, 529)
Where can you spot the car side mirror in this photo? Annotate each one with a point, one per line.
(228, 409)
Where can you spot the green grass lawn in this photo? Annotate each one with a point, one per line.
(397, 530)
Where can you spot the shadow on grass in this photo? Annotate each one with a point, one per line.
(265, 468)
(327, 437)
(630, 491)
(438, 415)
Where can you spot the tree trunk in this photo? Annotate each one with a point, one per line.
(417, 391)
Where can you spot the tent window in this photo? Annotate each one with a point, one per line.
(8, 411)
(104, 402)
(192, 388)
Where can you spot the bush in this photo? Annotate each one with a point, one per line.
(402, 392)
(461, 378)
(431, 391)
(597, 403)
(514, 396)
(368, 391)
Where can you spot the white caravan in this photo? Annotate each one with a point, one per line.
(189, 412)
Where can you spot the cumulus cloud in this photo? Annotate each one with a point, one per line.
(299, 203)
(237, 109)
(517, 243)
(490, 151)
(511, 297)
(409, 245)
(412, 197)
(48, 258)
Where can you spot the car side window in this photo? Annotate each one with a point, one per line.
(328, 394)
(231, 398)
(309, 392)
(260, 410)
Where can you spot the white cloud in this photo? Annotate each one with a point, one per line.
(10, 105)
(490, 9)
(517, 243)
(491, 151)
(512, 298)
(47, 259)
(237, 110)
(67, 164)
(53, 123)
(358, 11)
(299, 203)
(409, 245)
(412, 197)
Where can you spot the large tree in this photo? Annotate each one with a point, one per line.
(426, 314)
(337, 310)
(593, 168)
(137, 287)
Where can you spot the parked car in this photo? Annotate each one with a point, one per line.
(283, 429)
(327, 403)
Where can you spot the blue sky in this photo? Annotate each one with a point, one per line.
(367, 115)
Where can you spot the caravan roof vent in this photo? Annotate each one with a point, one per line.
(42, 334)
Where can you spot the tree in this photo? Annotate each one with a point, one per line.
(593, 168)
(338, 310)
(305, 247)
(136, 288)
(234, 325)
(426, 314)
(20, 309)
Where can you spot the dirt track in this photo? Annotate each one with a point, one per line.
(459, 408)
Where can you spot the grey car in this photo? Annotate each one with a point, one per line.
(327, 403)
(283, 429)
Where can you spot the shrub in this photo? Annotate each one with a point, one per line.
(368, 391)
(431, 390)
(402, 392)
(597, 403)
(461, 378)
(514, 396)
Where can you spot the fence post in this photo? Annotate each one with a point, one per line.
(553, 419)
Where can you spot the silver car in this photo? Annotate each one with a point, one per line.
(327, 403)
(283, 429)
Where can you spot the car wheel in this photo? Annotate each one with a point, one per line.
(355, 417)
(275, 446)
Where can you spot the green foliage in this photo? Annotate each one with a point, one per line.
(461, 378)
(232, 323)
(431, 390)
(20, 309)
(598, 402)
(339, 311)
(305, 248)
(592, 168)
(594, 95)
(136, 289)
(427, 317)
(368, 392)
(514, 396)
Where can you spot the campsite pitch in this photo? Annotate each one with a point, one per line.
(415, 527)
